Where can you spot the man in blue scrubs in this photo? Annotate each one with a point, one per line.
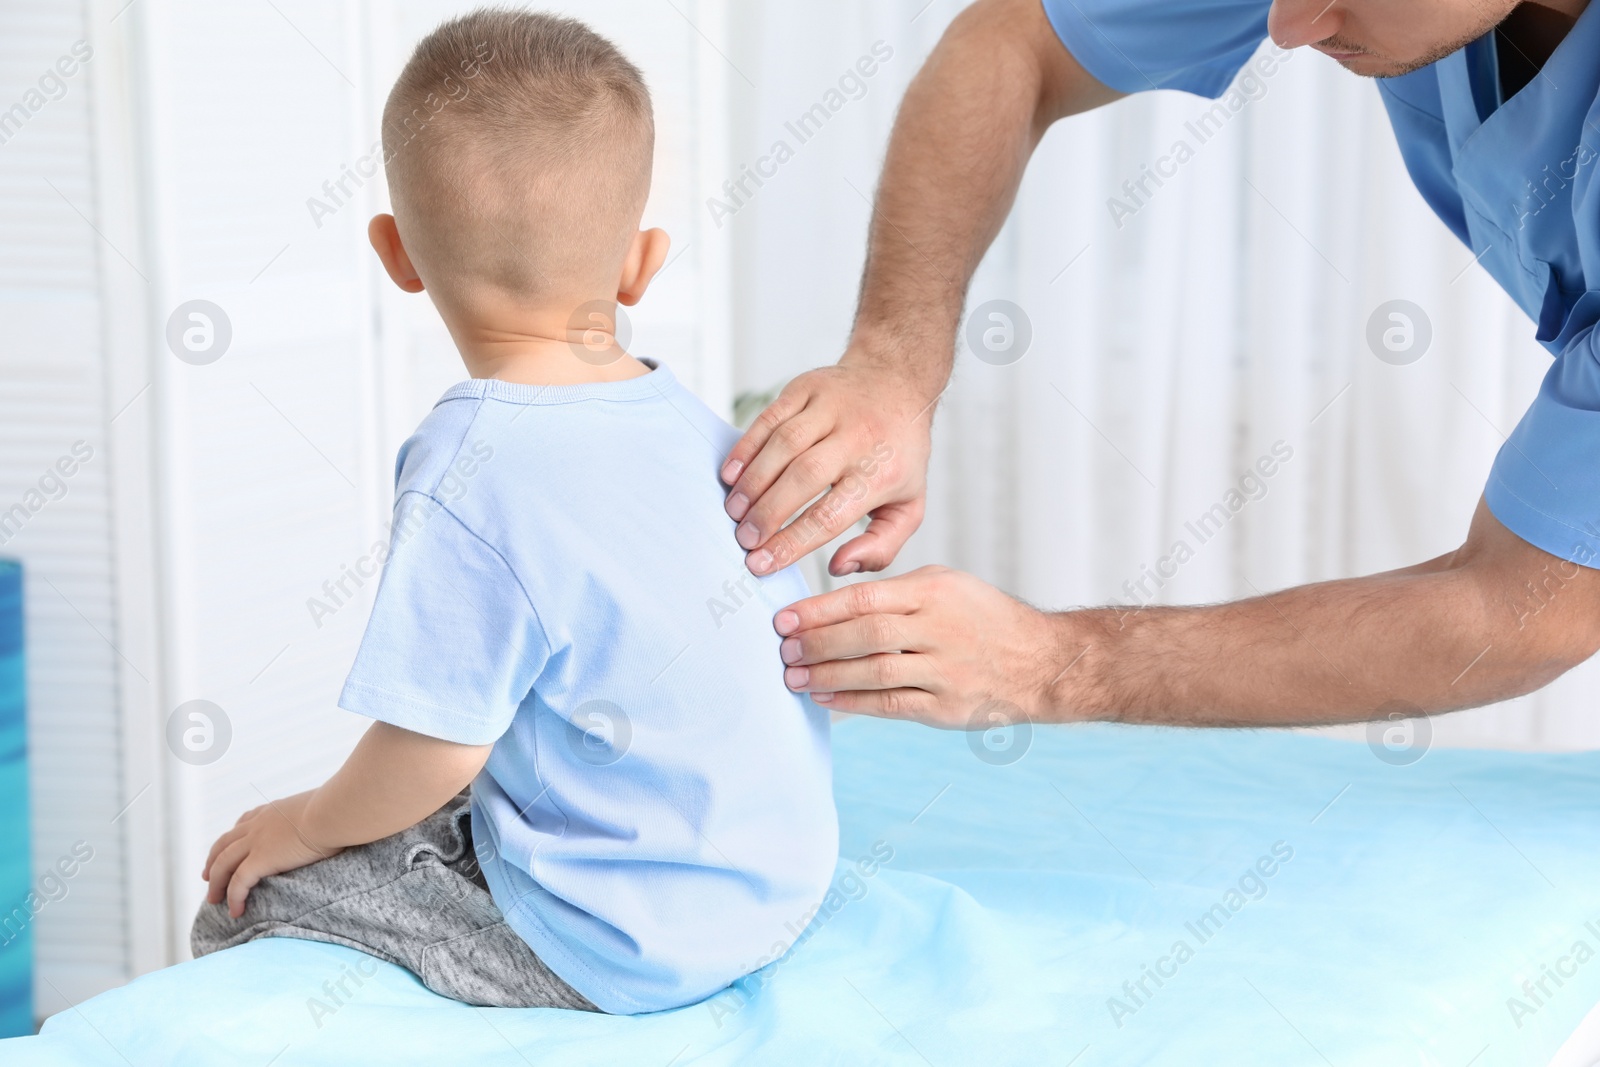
(1495, 107)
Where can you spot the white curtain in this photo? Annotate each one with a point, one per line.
(1178, 337)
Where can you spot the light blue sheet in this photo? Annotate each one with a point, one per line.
(1018, 901)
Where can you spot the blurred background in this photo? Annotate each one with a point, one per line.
(204, 376)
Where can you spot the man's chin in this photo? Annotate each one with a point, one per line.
(1369, 66)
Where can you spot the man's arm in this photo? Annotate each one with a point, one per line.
(392, 780)
(966, 129)
(1494, 619)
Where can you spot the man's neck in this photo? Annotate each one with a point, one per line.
(1528, 38)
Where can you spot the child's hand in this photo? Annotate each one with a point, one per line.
(265, 840)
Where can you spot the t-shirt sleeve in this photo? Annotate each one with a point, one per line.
(454, 644)
(1133, 45)
(1545, 483)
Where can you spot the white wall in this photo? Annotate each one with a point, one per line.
(1173, 351)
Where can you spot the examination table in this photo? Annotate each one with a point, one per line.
(1083, 895)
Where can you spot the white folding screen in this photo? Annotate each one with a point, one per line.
(268, 456)
(241, 460)
(53, 409)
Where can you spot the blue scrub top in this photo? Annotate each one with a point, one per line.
(1514, 179)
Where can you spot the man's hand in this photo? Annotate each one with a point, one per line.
(1494, 619)
(266, 840)
(968, 124)
(935, 645)
(858, 432)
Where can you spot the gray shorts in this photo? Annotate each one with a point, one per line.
(416, 899)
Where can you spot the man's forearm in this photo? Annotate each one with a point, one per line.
(1430, 639)
(966, 129)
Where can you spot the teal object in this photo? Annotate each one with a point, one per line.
(1032, 885)
(16, 921)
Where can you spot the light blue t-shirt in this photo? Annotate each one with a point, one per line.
(1513, 178)
(656, 818)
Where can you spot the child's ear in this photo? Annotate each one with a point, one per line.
(385, 238)
(645, 256)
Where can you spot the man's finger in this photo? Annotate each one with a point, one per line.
(809, 474)
(891, 527)
(908, 670)
(886, 596)
(865, 636)
(789, 403)
(797, 436)
(824, 520)
(915, 704)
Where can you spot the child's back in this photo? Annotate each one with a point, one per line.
(565, 584)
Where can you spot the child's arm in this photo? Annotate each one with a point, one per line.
(394, 779)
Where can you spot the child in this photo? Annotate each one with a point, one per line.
(565, 620)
